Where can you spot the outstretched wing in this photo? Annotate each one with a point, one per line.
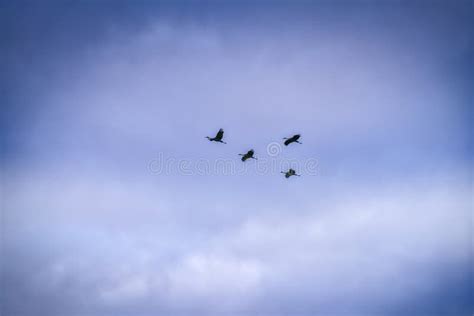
(219, 135)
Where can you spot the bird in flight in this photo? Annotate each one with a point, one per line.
(218, 137)
(290, 173)
(292, 139)
(248, 155)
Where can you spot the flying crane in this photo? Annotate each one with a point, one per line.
(292, 139)
(218, 137)
(248, 155)
(290, 173)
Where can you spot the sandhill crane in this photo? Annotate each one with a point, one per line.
(290, 173)
(292, 139)
(248, 155)
(218, 137)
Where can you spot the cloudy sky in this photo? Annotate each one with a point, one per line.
(114, 203)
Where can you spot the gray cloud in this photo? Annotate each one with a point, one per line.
(92, 256)
(384, 227)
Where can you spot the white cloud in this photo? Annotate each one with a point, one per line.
(222, 282)
(348, 243)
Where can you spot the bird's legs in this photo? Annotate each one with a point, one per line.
(213, 139)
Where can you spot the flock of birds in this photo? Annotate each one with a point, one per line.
(250, 154)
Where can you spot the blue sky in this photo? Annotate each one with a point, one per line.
(97, 93)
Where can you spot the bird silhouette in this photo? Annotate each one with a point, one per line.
(292, 139)
(290, 173)
(218, 137)
(248, 155)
